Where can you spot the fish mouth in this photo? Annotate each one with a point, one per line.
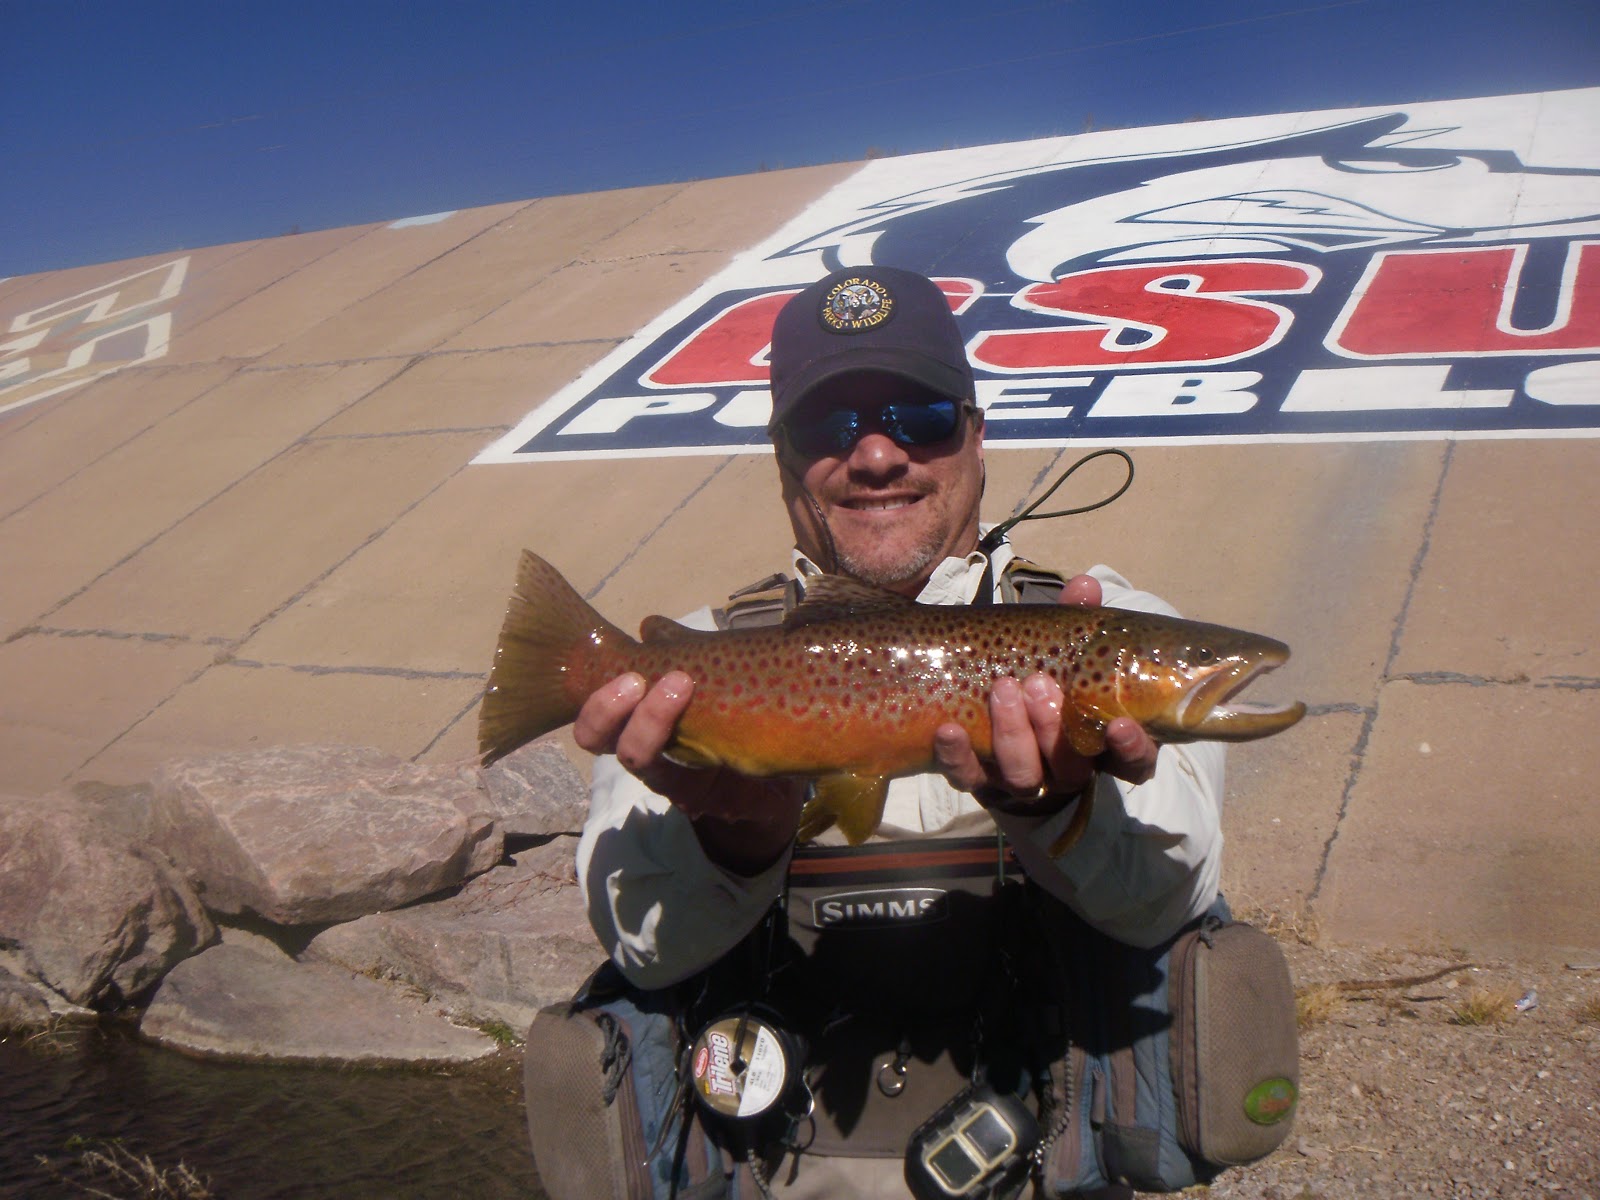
(1212, 710)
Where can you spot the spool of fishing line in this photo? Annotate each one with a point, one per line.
(745, 1067)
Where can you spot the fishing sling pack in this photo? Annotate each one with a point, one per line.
(1175, 1062)
(604, 1105)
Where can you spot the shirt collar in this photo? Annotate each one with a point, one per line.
(954, 581)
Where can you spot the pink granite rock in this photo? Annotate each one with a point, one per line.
(310, 834)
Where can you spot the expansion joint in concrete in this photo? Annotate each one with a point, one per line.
(118, 635)
(466, 710)
(1575, 683)
(412, 357)
(356, 669)
(1396, 637)
(666, 516)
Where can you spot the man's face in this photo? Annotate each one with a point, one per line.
(894, 512)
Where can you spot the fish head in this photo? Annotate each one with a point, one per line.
(1181, 680)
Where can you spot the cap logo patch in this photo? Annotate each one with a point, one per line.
(856, 305)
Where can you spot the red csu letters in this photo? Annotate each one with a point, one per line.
(1441, 303)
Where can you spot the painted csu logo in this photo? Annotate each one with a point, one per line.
(1427, 273)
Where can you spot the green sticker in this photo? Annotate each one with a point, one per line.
(1270, 1101)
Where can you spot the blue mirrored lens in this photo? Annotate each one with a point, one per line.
(911, 424)
(920, 424)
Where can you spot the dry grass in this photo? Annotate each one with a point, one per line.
(1285, 924)
(1316, 1005)
(58, 1035)
(1588, 1010)
(1485, 1006)
(111, 1165)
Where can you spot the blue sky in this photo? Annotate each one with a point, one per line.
(129, 127)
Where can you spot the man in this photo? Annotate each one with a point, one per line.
(880, 460)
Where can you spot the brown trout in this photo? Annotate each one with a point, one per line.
(849, 690)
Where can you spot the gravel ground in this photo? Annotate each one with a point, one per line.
(1440, 1088)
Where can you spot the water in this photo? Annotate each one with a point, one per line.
(261, 1132)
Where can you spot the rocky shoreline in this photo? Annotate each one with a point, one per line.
(337, 905)
(319, 903)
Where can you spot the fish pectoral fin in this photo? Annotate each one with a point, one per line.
(853, 802)
(1086, 732)
(690, 754)
(814, 822)
(1073, 833)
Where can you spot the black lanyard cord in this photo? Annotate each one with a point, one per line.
(994, 537)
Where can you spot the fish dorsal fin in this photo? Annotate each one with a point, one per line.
(665, 629)
(833, 597)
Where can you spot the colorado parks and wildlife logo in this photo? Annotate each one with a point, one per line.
(856, 305)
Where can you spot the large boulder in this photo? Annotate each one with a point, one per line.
(96, 918)
(510, 942)
(22, 1004)
(536, 792)
(312, 834)
(241, 1002)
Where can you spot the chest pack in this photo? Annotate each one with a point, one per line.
(1152, 1068)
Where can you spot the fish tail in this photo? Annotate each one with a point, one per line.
(536, 685)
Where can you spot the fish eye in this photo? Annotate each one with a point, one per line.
(1202, 654)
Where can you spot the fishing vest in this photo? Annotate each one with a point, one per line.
(765, 601)
(891, 948)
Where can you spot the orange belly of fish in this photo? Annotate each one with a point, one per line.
(792, 733)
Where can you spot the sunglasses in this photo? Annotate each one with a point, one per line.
(909, 423)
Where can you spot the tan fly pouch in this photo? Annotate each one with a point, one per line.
(586, 1137)
(1234, 1043)
(601, 1091)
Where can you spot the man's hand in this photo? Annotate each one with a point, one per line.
(743, 824)
(1030, 750)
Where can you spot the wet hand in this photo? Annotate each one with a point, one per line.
(1033, 767)
(1032, 770)
(1130, 752)
(743, 824)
